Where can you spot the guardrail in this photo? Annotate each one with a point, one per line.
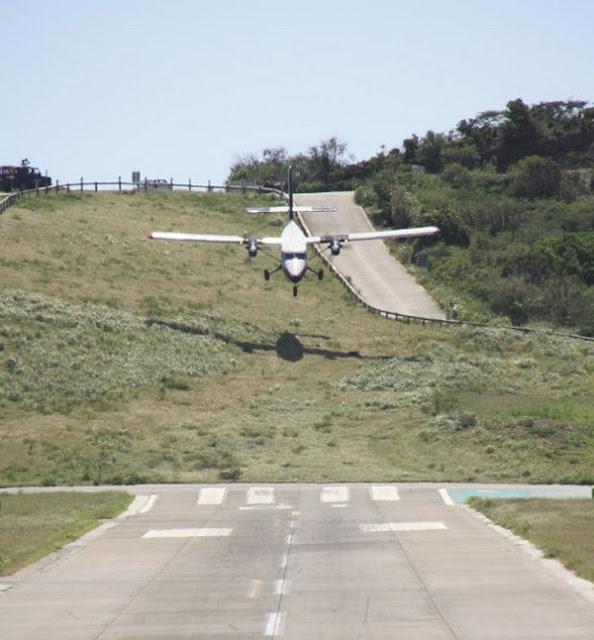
(96, 186)
(401, 317)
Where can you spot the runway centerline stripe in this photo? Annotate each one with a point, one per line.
(187, 533)
(281, 587)
(445, 496)
(260, 495)
(274, 625)
(211, 495)
(402, 526)
(384, 493)
(334, 494)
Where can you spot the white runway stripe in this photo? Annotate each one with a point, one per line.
(274, 625)
(445, 496)
(211, 495)
(281, 587)
(384, 493)
(260, 495)
(402, 526)
(334, 494)
(187, 533)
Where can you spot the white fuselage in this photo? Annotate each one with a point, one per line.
(293, 252)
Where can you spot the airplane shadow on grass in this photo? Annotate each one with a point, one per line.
(288, 347)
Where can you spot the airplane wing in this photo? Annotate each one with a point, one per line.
(284, 209)
(374, 235)
(208, 237)
(195, 237)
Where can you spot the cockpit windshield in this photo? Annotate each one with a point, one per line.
(291, 256)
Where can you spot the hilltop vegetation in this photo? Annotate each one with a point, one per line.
(512, 192)
(124, 360)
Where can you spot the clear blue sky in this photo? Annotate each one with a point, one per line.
(179, 88)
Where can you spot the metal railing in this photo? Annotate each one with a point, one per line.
(408, 319)
(145, 186)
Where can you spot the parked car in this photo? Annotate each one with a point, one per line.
(155, 183)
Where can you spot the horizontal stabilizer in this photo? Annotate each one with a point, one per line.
(286, 209)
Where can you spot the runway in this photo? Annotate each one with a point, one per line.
(389, 561)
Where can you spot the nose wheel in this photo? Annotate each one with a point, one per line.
(295, 291)
(321, 274)
(266, 275)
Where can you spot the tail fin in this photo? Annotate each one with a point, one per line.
(290, 187)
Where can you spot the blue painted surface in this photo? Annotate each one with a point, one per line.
(463, 493)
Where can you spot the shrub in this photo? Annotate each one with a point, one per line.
(536, 177)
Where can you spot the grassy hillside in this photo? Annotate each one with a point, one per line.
(123, 360)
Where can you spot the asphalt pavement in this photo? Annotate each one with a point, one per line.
(397, 561)
(378, 277)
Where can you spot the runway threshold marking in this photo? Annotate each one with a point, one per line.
(445, 496)
(260, 495)
(211, 496)
(384, 493)
(402, 526)
(334, 494)
(274, 625)
(187, 533)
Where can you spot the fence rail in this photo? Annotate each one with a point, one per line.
(120, 185)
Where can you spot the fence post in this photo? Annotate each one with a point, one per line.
(189, 184)
(171, 183)
(68, 187)
(57, 186)
(119, 183)
(81, 183)
(145, 187)
(95, 185)
(209, 187)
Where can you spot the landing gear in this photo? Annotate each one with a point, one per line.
(295, 291)
(266, 275)
(321, 274)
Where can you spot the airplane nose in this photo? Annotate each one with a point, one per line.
(295, 269)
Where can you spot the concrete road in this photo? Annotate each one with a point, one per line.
(380, 279)
(294, 561)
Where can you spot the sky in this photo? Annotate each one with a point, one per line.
(182, 88)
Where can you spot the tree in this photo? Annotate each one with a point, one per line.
(430, 151)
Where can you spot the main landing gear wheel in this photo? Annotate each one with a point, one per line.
(295, 291)
(266, 275)
(321, 274)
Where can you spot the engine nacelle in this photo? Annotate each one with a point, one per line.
(335, 246)
(252, 246)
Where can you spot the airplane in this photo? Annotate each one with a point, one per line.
(293, 242)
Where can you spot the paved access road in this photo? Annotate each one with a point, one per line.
(294, 561)
(380, 279)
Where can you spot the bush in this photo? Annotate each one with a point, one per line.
(536, 177)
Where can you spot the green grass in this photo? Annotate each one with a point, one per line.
(35, 524)
(125, 360)
(562, 529)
